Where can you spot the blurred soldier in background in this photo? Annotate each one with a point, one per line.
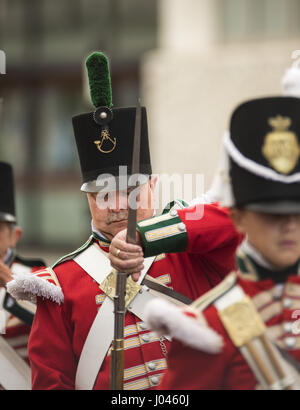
(15, 317)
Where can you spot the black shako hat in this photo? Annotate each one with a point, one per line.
(264, 152)
(104, 138)
(7, 195)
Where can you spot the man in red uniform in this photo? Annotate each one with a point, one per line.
(244, 334)
(15, 317)
(73, 326)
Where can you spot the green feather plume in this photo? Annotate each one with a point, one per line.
(99, 79)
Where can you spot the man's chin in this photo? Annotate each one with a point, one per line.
(118, 226)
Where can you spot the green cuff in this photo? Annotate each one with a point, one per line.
(163, 234)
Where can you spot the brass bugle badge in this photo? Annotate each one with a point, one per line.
(105, 137)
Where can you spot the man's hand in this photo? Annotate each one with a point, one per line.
(5, 274)
(126, 257)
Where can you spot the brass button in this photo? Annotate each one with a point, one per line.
(173, 212)
(181, 227)
(154, 380)
(151, 366)
(146, 338)
(143, 326)
(290, 342)
(287, 303)
(287, 327)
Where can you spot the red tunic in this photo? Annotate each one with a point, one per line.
(59, 331)
(195, 370)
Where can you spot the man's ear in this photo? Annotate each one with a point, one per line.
(16, 236)
(237, 217)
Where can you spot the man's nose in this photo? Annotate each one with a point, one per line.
(291, 221)
(120, 203)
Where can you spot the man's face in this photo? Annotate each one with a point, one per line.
(276, 237)
(112, 218)
(8, 238)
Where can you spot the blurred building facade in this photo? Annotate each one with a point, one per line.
(212, 55)
(46, 43)
(191, 62)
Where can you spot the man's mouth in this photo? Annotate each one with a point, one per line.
(118, 220)
(287, 243)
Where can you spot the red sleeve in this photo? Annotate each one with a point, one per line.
(209, 227)
(53, 364)
(211, 233)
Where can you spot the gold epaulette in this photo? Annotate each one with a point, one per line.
(212, 295)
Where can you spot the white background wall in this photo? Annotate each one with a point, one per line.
(193, 81)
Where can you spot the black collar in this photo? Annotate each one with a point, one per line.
(278, 276)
